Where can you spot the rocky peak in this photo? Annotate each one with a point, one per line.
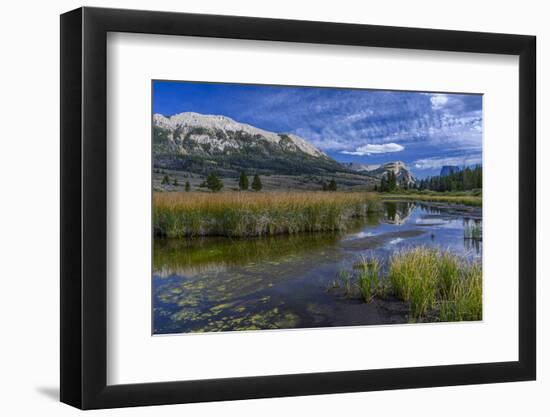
(401, 171)
(399, 168)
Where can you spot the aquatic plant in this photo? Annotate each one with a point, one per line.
(465, 298)
(434, 283)
(369, 279)
(429, 279)
(414, 278)
(473, 230)
(344, 280)
(192, 214)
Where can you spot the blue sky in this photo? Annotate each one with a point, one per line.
(424, 130)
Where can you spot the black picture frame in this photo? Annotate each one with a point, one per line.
(84, 207)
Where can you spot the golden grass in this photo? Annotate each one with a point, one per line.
(239, 214)
(253, 200)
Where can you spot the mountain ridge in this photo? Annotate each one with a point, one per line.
(228, 124)
(202, 144)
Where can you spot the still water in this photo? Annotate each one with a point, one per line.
(281, 282)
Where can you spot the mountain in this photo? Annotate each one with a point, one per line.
(400, 169)
(203, 143)
(448, 169)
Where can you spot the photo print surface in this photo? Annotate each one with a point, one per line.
(283, 207)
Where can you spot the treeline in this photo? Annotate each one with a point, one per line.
(466, 179)
(388, 183)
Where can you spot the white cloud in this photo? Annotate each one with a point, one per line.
(375, 149)
(432, 163)
(439, 101)
(359, 115)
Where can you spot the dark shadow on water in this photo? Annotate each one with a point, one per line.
(50, 392)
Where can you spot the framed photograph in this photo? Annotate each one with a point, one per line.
(258, 208)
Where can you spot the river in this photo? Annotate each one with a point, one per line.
(282, 282)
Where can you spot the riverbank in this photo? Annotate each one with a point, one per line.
(459, 197)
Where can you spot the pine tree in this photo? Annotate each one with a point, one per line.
(187, 186)
(383, 185)
(165, 180)
(243, 182)
(214, 183)
(175, 183)
(392, 181)
(332, 185)
(256, 183)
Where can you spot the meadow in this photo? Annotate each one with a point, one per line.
(249, 214)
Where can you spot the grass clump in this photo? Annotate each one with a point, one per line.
(464, 301)
(431, 280)
(436, 285)
(192, 214)
(370, 280)
(413, 276)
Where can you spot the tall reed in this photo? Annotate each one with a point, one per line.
(414, 278)
(370, 280)
(431, 280)
(465, 298)
(244, 214)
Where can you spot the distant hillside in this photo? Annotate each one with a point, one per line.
(204, 143)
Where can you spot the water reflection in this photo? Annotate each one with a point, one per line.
(194, 256)
(473, 245)
(397, 212)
